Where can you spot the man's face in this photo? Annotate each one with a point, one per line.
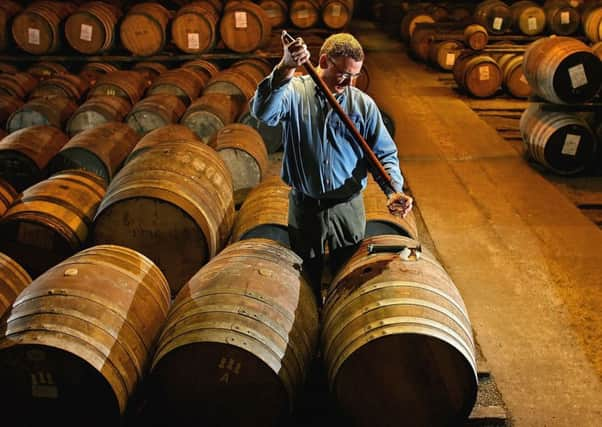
(339, 72)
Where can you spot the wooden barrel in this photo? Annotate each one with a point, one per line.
(37, 30)
(379, 220)
(592, 24)
(561, 18)
(24, 154)
(8, 105)
(91, 28)
(494, 15)
(513, 78)
(181, 82)
(459, 12)
(479, 75)
(205, 68)
(66, 85)
(276, 11)
(561, 141)
(18, 84)
(562, 70)
(100, 150)
(421, 41)
(7, 196)
(150, 70)
(92, 71)
(271, 135)
(245, 345)
(44, 69)
(125, 84)
(13, 279)
(336, 14)
(476, 36)
(194, 28)
(79, 339)
(96, 111)
(173, 203)
(8, 9)
(411, 19)
(254, 68)
(50, 220)
(242, 149)
(51, 111)
(264, 213)
(388, 318)
(8, 68)
(443, 54)
(244, 26)
(528, 17)
(232, 82)
(143, 30)
(155, 111)
(304, 13)
(168, 133)
(210, 113)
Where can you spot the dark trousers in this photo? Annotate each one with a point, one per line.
(314, 222)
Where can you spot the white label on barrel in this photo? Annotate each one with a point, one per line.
(193, 41)
(240, 19)
(272, 13)
(571, 144)
(336, 10)
(532, 23)
(34, 235)
(484, 72)
(577, 75)
(497, 23)
(303, 13)
(33, 36)
(565, 18)
(85, 33)
(42, 386)
(450, 59)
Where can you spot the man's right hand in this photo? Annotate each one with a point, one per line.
(295, 53)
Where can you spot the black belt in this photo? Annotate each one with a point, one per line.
(320, 203)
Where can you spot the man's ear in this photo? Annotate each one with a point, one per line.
(323, 62)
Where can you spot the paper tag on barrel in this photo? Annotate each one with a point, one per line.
(85, 33)
(193, 41)
(578, 76)
(33, 36)
(571, 144)
(240, 19)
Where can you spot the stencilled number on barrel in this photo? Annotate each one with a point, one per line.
(43, 386)
(111, 92)
(231, 366)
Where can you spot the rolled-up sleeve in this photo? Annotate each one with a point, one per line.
(270, 104)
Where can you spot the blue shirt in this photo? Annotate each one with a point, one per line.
(321, 157)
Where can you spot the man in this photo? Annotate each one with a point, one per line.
(323, 163)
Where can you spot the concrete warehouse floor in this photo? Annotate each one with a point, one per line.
(527, 262)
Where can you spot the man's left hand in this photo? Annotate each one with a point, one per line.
(400, 204)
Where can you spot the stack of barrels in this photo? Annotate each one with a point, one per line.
(561, 71)
(145, 28)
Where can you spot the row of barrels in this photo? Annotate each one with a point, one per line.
(557, 69)
(522, 17)
(144, 100)
(145, 28)
(242, 331)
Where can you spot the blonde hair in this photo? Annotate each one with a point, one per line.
(342, 44)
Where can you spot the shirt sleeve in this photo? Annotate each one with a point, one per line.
(270, 104)
(385, 150)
